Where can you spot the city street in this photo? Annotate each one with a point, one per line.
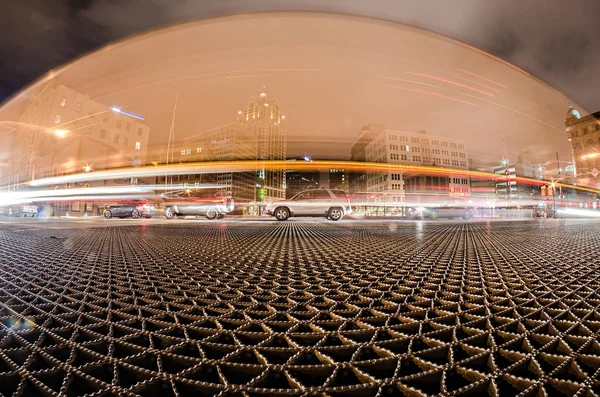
(304, 307)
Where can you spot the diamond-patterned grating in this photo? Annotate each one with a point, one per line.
(302, 308)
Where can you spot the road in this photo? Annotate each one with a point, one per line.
(305, 307)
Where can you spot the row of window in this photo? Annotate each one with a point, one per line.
(459, 190)
(185, 152)
(586, 130)
(396, 186)
(460, 181)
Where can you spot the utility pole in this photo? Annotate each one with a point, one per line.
(171, 142)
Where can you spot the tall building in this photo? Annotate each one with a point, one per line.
(258, 134)
(507, 185)
(263, 120)
(62, 131)
(584, 136)
(357, 181)
(408, 148)
(225, 143)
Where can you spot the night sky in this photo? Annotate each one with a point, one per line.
(554, 40)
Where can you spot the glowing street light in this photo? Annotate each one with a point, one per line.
(87, 168)
(504, 162)
(60, 133)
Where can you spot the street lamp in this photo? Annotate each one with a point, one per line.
(87, 168)
(60, 133)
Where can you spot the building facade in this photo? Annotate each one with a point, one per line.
(258, 134)
(584, 136)
(357, 180)
(264, 121)
(508, 187)
(419, 149)
(299, 180)
(224, 143)
(63, 131)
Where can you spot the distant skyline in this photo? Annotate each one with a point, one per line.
(342, 73)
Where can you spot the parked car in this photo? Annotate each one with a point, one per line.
(450, 210)
(132, 208)
(332, 204)
(211, 204)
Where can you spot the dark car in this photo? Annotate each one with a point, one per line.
(211, 204)
(132, 208)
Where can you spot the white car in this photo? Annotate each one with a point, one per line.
(332, 204)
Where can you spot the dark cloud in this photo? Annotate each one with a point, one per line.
(552, 39)
(566, 52)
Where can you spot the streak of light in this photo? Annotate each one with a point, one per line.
(486, 54)
(202, 75)
(246, 75)
(412, 82)
(514, 110)
(250, 166)
(432, 94)
(105, 192)
(483, 78)
(590, 156)
(450, 82)
(479, 84)
(573, 211)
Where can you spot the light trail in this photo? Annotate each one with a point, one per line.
(432, 94)
(247, 75)
(200, 76)
(515, 111)
(250, 166)
(479, 84)
(483, 78)
(485, 53)
(411, 81)
(450, 82)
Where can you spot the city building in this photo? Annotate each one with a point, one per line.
(584, 136)
(419, 149)
(263, 120)
(224, 143)
(63, 131)
(258, 134)
(357, 181)
(299, 180)
(508, 187)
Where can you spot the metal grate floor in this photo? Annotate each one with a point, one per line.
(302, 308)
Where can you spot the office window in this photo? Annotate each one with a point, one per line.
(137, 146)
(57, 119)
(78, 107)
(63, 102)
(198, 150)
(139, 131)
(127, 127)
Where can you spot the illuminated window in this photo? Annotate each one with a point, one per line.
(63, 103)
(198, 150)
(78, 107)
(57, 119)
(138, 146)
